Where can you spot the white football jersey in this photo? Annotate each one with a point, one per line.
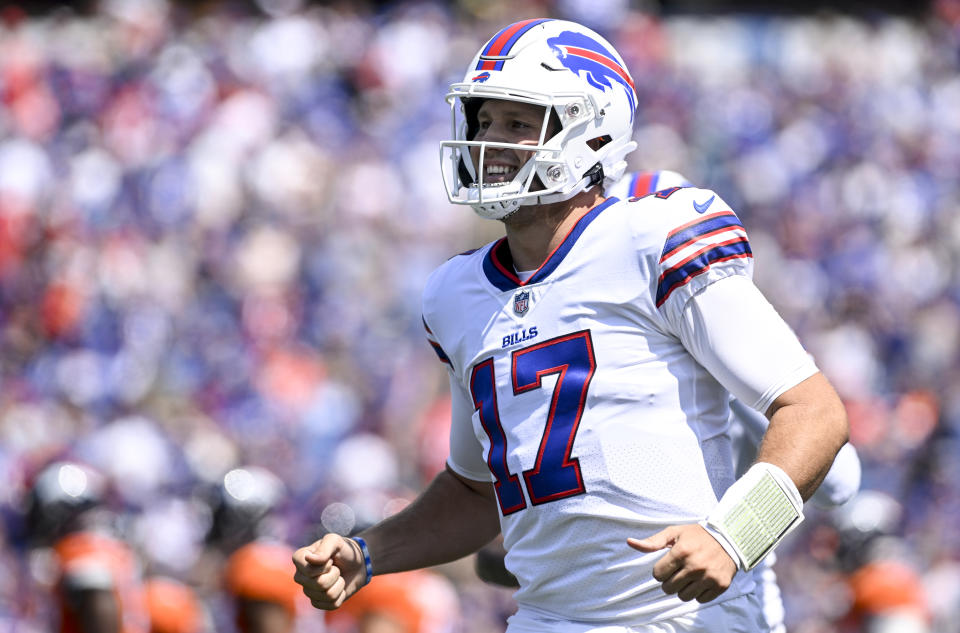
(573, 394)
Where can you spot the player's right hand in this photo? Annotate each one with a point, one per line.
(330, 570)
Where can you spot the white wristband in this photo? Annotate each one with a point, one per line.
(756, 513)
(722, 539)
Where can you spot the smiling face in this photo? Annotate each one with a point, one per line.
(506, 122)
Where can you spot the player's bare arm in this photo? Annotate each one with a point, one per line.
(452, 518)
(808, 425)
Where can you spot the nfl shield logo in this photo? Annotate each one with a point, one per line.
(521, 302)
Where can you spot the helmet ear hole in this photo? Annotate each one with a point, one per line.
(553, 124)
(600, 141)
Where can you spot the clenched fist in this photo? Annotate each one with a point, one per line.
(330, 570)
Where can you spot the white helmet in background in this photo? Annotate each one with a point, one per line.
(575, 75)
(867, 526)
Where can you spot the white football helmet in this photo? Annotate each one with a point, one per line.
(572, 72)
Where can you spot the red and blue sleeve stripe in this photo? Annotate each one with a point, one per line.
(440, 353)
(735, 246)
(501, 43)
(699, 229)
(699, 264)
(436, 346)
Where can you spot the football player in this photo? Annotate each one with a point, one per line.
(592, 351)
(747, 427)
(174, 606)
(246, 531)
(258, 581)
(99, 585)
(886, 588)
(419, 601)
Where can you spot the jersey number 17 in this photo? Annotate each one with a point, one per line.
(555, 475)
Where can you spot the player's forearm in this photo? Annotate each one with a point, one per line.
(808, 425)
(448, 521)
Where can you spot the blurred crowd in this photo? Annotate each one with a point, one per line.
(215, 226)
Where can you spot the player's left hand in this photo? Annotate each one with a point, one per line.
(696, 567)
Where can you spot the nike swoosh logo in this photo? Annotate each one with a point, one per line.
(703, 206)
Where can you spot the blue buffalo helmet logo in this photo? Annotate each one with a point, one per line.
(482, 77)
(587, 57)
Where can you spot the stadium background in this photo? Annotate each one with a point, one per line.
(216, 219)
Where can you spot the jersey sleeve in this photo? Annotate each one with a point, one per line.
(432, 317)
(705, 242)
(435, 344)
(734, 332)
(466, 451)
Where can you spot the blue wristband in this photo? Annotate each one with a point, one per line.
(366, 557)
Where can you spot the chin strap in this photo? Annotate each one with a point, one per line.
(755, 514)
(595, 175)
